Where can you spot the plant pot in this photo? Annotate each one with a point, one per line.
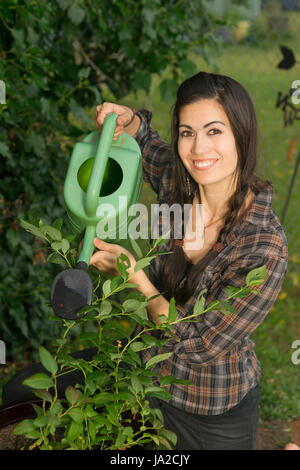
(11, 415)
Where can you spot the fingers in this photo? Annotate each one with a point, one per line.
(102, 245)
(124, 116)
(105, 258)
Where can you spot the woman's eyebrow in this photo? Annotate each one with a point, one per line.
(206, 125)
(213, 122)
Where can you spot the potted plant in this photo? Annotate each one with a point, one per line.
(109, 409)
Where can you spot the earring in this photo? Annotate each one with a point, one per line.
(188, 185)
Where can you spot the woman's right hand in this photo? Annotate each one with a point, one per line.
(126, 118)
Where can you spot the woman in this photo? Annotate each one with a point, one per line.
(211, 161)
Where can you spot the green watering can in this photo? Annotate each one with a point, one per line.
(102, 173)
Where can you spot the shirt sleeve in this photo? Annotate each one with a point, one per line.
(204, 341)
(155, 152)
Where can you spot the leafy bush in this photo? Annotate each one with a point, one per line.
(56, 58)
(110, 409)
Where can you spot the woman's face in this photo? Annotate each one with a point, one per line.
(206, 143)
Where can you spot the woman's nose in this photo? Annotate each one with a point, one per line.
(200, 144)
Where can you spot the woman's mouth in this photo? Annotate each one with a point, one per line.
(202, 165)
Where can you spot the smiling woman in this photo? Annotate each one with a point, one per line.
(211, 161)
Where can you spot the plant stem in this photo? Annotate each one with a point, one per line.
(207, 309)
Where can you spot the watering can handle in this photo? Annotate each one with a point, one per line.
(95, 183)
(102, 154)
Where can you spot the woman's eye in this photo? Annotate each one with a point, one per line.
(186, 134)
(214, 131)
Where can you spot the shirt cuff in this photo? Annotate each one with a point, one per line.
(145, 117)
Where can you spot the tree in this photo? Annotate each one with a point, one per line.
(56, 59)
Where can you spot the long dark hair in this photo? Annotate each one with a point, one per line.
(240, 111)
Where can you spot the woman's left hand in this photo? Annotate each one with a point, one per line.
(106, 258)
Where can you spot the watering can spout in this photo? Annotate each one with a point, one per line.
(88, 245)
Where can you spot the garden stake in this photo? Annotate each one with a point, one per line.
(290, 188)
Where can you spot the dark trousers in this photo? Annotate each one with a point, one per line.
(234, 430)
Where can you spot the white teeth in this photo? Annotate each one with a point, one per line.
(203, 164)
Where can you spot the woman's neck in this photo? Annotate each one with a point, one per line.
(215, 202)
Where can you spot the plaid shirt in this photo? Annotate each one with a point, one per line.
(217, 354)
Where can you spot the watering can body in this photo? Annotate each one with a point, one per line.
(103, 204)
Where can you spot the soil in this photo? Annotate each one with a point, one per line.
(273, 435)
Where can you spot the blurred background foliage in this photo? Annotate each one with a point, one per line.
(59, 59)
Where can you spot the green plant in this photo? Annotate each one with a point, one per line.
(110, 409)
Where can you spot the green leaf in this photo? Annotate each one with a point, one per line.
(56, 258)
(122, 268)
(24, 427)
(18, 35)
(44, 395)
(32, 229)
(64, 4)
(138, 346)
(136, 384)
(76, 414)
(131, 305)
(200, 302)
(158, 393)
(103, 397)
(227, 308)
(84, 73)
(236, 292)
(169, 379)
(170, 435)
(76, 14)
(72, 395)
(37, 143)
(256, 276)
(47, 360)
(75, 430)
(142, 263)
(106, 288)
(160, 241)
(156, 359)
(136, 247)
(92, 429)
(58, 223)
(188, 68)
(39, 380)
(4, 150)
(172, 314)
(65, 245)
(40, 421)
(105, 308)
(168, 89)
